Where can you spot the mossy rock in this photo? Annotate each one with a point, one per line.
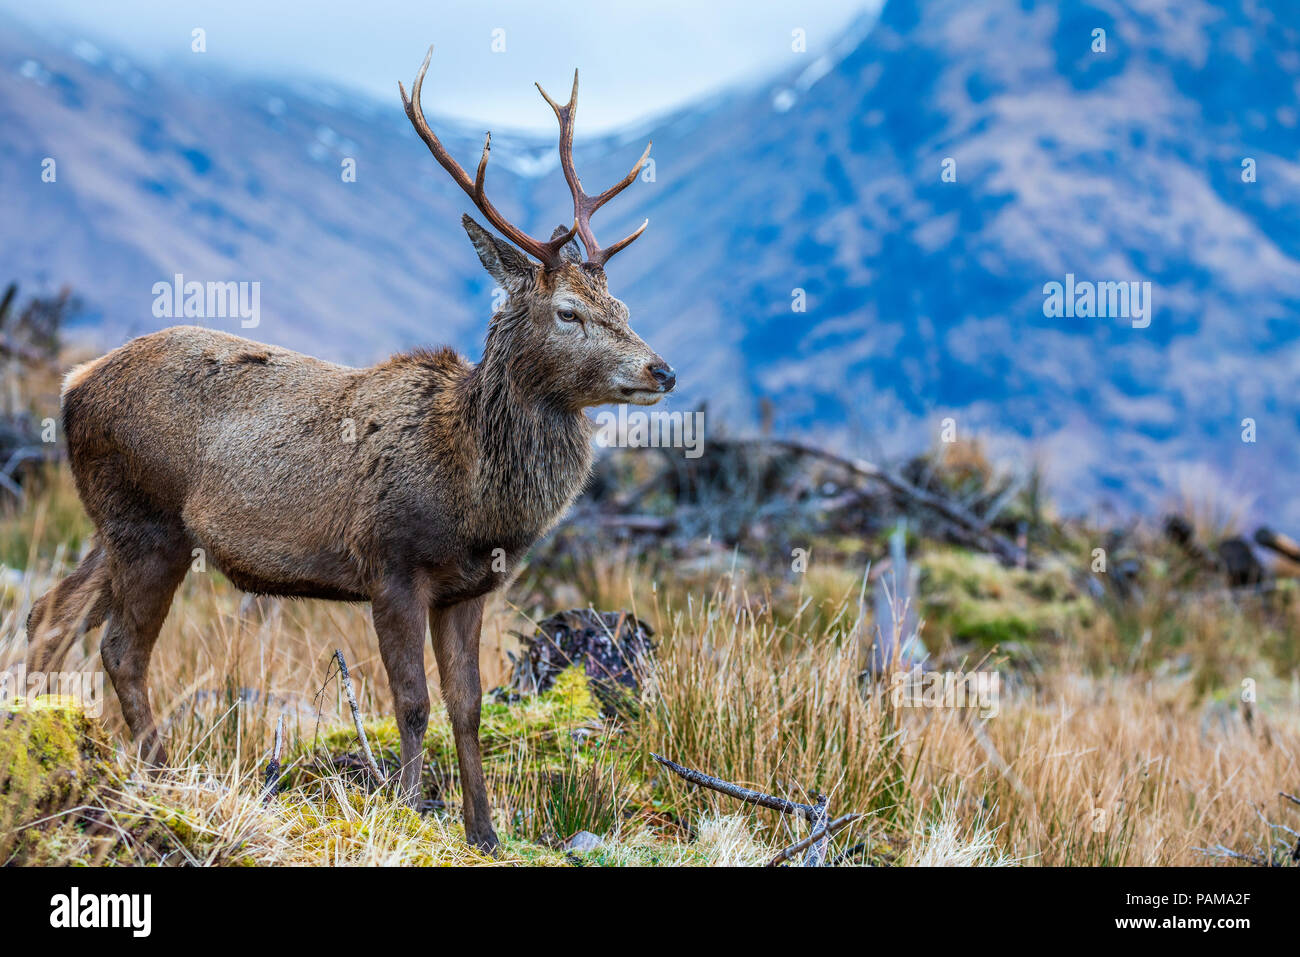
(52, 756)
(967, 596)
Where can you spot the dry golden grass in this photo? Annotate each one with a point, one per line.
(1108, 749)
(1115, 772)
(1073, 769)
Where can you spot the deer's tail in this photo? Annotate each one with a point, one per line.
(67, 611)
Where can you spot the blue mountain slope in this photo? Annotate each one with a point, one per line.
(191, 172)
(924, 298)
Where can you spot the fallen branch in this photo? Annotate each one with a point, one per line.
(1285, 546)
(974, 527)
(1003, 499)
(1225, 852)
(820, 836)
(12, 487)
(650, 524)
(271, 783)
(699, 778)
(356, 717)
(25, 453)
(816, 843)
(638, 523)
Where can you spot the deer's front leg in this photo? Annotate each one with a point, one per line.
(455, 644)
(400, 616)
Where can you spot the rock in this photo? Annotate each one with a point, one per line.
(583, 842)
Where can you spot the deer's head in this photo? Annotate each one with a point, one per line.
(563, 333)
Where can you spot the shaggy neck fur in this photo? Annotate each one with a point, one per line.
(533, 453)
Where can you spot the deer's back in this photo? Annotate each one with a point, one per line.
(183, 403)
(281, 465)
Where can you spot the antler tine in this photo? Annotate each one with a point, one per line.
(625, 241)
(622, 184)
(573, 96)
(547, 252)
(584, 205)
(602, 256)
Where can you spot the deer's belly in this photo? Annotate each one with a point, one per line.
(455, 582)
(276, 554)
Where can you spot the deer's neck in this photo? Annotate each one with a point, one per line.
(533, 456)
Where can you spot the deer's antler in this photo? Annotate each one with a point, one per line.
(584, 205)
(547, 252)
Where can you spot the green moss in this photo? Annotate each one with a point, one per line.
(51, 757)
(535, 725)
(342, 828)
(545, 779)
(530, 852)
(967, 596)
(568, 704)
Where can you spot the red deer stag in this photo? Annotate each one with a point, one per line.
(191, 438)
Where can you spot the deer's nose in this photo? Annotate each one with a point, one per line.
(663, 374)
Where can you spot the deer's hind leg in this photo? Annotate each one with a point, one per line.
(146, 565)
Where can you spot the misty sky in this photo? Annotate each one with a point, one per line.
(637, 59)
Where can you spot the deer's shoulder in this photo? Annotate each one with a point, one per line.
(441, 363)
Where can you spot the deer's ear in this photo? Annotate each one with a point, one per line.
(507, 265)
(570, 252)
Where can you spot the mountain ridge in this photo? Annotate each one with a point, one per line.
(924, 298)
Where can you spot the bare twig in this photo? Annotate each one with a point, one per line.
(822, 834)
(699, 778)
(29, 453)
(816, 855)
(1225, 852)
(271, 783)
(12, 348)
(1014, 488)
(356, 717)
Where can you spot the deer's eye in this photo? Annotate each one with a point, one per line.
(566, 315)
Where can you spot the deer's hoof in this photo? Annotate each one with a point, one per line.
(487, 843)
